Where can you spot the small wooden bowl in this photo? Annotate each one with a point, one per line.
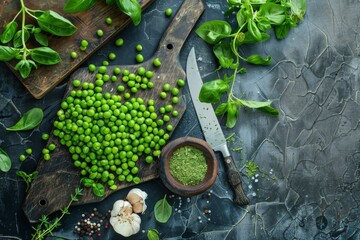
(171, 183)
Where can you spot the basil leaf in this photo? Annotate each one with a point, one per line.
(41, 39)
(298, 8)
(282, 30)
(5, 161)
(162, 210)
(8, 53)
(232, 115)
(213, 31)
(221, 109)
(87, 182)
(98, 189)
(131, 8)
(224, 54)
(240, 17)
(45, 55)
(249, 39)
(153, 234)
(270, 110)
(24, 67)
(263, 24)
(211, 91)
(254, 104)
(258, 60)
(73, 6)
(9, 32)
(254, 31)
(55, 24)
(30, 120)
(18, 38)
(275, 13)
(235, 2)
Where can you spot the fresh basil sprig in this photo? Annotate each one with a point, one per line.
(28, 178)
(254, 19)
(162, 210)
(5, 161)
(30, 120)
(131, 8)
(49, 22)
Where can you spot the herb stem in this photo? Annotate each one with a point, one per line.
(16, 16)
(23, 10)
(28, 11)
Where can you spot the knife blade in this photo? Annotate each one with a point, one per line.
(212, 130)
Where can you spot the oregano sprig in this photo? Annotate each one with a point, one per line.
(48, 22)
(254, 19)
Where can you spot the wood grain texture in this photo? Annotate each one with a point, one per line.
(58, 177)
(45, 78)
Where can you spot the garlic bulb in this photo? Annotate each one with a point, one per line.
(137, 199)
(123, 220)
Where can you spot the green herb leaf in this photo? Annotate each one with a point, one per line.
(28, 178)
(153, 234)
(232, 114)
(24, 67)
(29, 120)
(275, 13)
(98, 189)
(249, 39)
(162, 210)
(41, 39)
(213, 31)
(55, 24)
(211, 91)
(5, 161)
(263, 24)
(298, 8)
(87, 182)
(131, 8)
(8, 53)
(17, 42)
(270, 110)
(254, 30)
(73, 6)
(254, 104)
(109, 2)
(258, 60)
(9, 32)
(282, 30)
(45, 55)
(240, 17)
(224, 54)
(221, 109)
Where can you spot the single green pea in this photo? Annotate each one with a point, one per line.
(157, 62)
(52, 146)
(136, 180)
(82, 48)
(141, 71)
(166, 87)
(76, 83)
(168, 108)
(119, 42)
(117, 71)
(175, 113)
(92, 67)
(168, 12)
(108, 20)
(114, 78)
(102, 69)
(84, 43)
(175, 100)
(100, 33)
(45, 136)
(139, 48)
(22, 157)
(139, 58)
(166, 118)
(29, 151)
(129, 178)
(112, 56)
(149, 74)
(47, 156)
(163, 95)
(175, 91)
(73, 55)
(150, 85)
(180, 82)
(105, 63)
(149, 159)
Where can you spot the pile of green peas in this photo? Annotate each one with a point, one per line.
(106, 133)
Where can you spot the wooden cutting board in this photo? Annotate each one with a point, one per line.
(45, 78)
(58, 177)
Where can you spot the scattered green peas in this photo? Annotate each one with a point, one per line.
(168, 12)
(100, 33)
(73, 55)
(157, 62)
(22, 157)
(139, 48)
(108, 21)
(119, 42)
(29, 151)
(180, 82)
(139, 58)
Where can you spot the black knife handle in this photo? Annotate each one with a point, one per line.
(235, 181)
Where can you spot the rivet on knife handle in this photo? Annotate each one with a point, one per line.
(235, 181)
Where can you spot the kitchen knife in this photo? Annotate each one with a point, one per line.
(212, 130)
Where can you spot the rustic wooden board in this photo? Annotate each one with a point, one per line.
(45, 78)
(58, 177)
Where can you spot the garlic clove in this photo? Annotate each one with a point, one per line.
(137, 199)
(123, 220)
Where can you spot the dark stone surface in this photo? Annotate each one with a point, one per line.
(309, 161)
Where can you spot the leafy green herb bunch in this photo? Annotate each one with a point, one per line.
(16, 36)
(254, 20)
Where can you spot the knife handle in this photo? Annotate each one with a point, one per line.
(235, 181)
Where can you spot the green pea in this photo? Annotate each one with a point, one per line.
(168, 12)
(117, 71)
(129, 178)
(166, 118)
(76, 83)
(105, 63)
(82, 48)
(22, 157)
(139, 58)
(45, 136)
(119, 42)
(102, 69)
(149, 159)
(150, 85)
(157, 62)
(166, 87)
(52, 146)
(100, 33)
(29, 151)
(141, 71)
(175, 91)
(175, 113)
(112, 56)
(73, 55)
(139, 48)
(169, 127)
(175, 99)
(163, 95)
(47, 156)
(108, 20)
(180, 82)
(136, 180)
(168, 108)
